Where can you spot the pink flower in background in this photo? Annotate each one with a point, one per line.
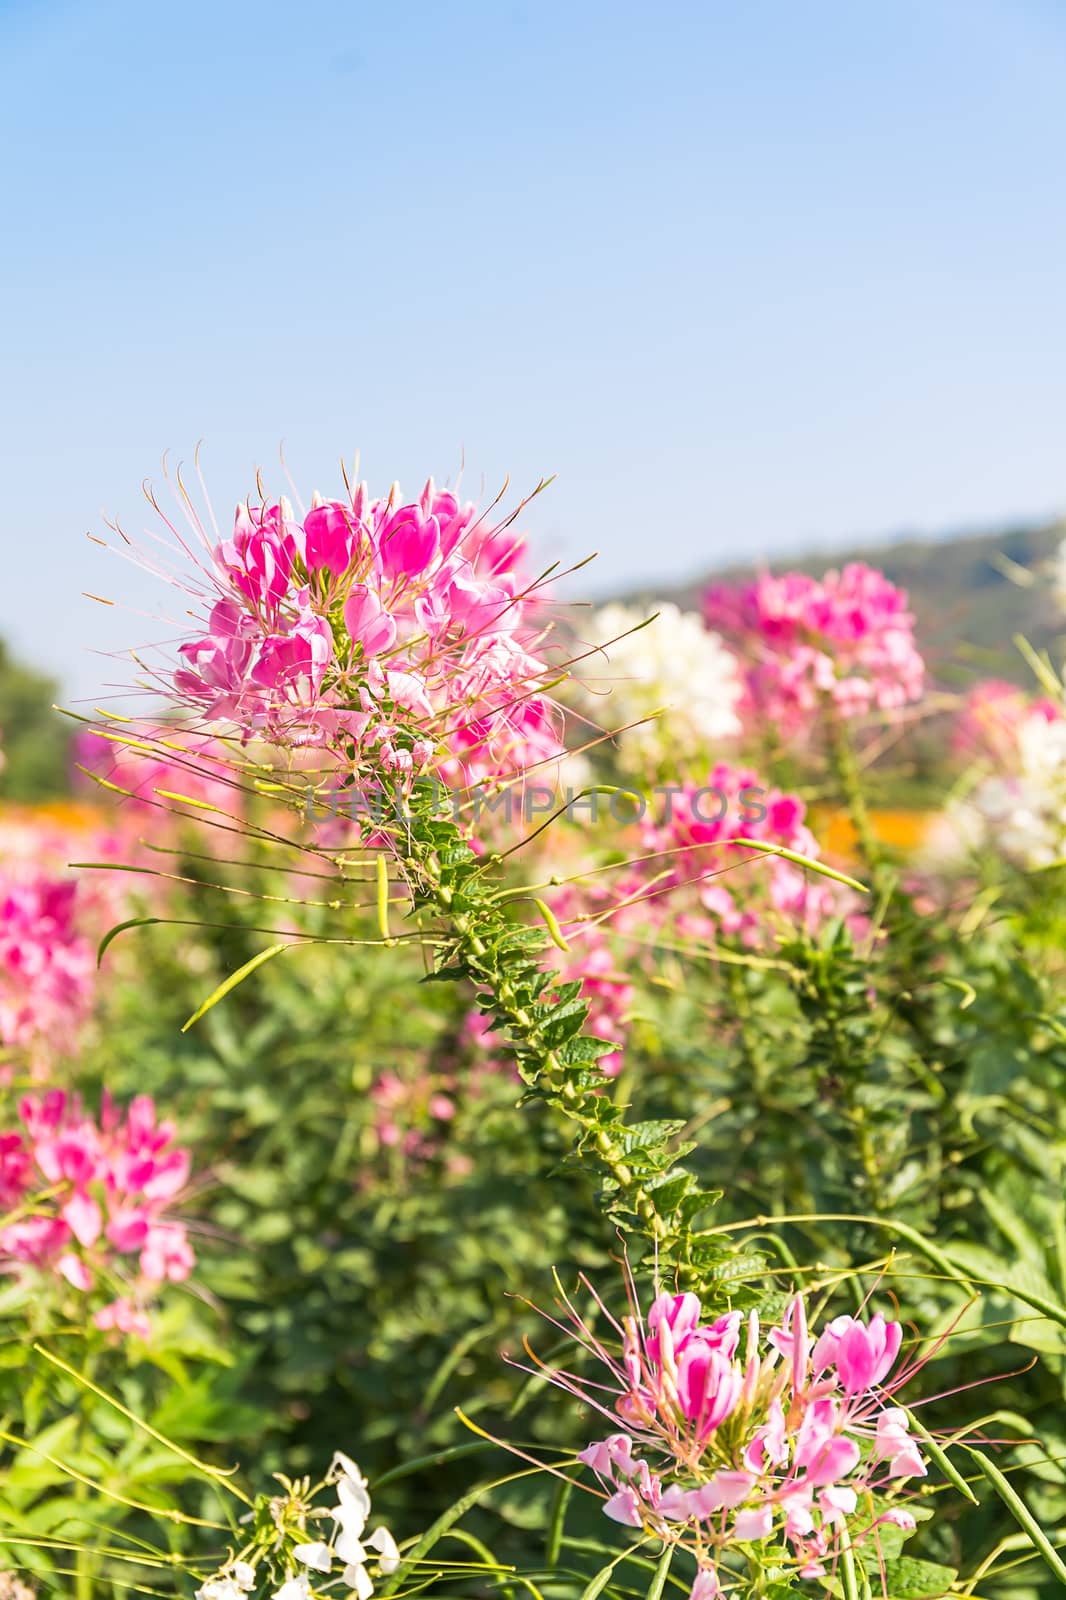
(46, 965)
(95, 1193)
(736, 1435)
(410, 1113)
(697, 874)
(845, 640)
(991, 717)
(142, 760)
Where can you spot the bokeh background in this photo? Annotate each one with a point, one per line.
(751, 279)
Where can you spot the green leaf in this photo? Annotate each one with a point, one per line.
(586, 1047)
(658, 1583)
(907, 1579)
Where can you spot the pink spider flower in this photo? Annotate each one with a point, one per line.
(92, 1197)
(725, 1437)
(695, 871)
(395, 638)
(846, 640)
(46, 964)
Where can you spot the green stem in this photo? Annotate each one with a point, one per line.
(543, 1019)
(525, 1028)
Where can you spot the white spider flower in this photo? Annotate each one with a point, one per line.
(673, 665)
(233, 1583)
(354, 1553)
(1025, 811)
(352, 1508)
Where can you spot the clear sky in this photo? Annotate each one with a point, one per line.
(747, 274)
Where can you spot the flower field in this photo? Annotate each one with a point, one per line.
(505, 1097)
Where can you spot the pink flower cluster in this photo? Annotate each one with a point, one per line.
(46, 965)
(690, 845)
(88, 1193)
(396, 635)
(788, 1442)
(846, 639)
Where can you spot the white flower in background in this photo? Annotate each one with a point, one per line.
(1025, 810)
(673, 664)
(290, 1514)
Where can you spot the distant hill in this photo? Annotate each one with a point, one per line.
(968, 593)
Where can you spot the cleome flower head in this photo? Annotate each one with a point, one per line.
(392, 637)
(846, 639)
(737, 1442)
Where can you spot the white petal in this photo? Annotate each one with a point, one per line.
(244, 1575)
(294, 1589)
(359, 1579)
(347, 1466)
(354, 1502)
(385, 1544)
(348, 1548)
(316, 1555)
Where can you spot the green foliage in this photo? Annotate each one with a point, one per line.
(874, 1107)
(34, 740)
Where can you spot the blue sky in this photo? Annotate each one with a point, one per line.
(748, 276)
